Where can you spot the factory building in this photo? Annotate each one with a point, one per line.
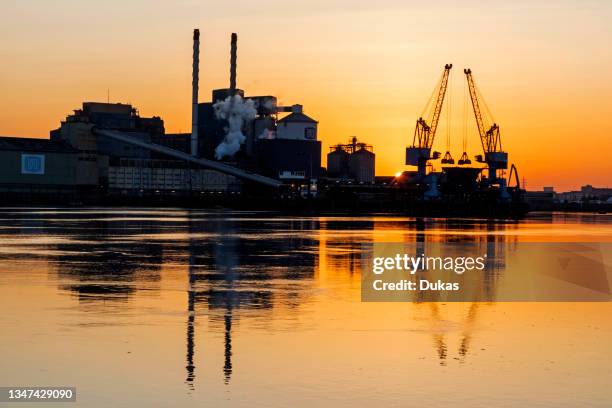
(75, 161)
(273, 146)
(31, 168)
(259, 139)
(282, 148)
(278, 141)
(290, 150)
(353, 161)
(124, 169)
(211, 129)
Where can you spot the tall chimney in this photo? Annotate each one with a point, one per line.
(194, 92)
(233, 64)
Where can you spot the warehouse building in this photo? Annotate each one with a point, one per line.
(37, 168)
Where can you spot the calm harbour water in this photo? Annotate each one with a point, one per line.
(149, 307)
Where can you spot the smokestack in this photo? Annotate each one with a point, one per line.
(194, 92)
(233, 63)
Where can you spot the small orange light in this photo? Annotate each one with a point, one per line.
(399, 173)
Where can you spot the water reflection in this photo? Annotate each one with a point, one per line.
(239, 267)
(107, 268)
(243, 264)
(496, 247)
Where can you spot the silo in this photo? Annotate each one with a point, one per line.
(361, 166)
(337, 162)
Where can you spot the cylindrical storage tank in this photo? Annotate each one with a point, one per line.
(361, 166)
(337, 163)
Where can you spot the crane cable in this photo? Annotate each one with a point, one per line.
(428, 106)
(488, 119)
(488, 116)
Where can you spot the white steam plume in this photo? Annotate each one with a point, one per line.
(236, 111)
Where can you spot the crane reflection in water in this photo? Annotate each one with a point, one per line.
(496, 248)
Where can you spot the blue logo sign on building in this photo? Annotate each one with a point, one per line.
(32, 164)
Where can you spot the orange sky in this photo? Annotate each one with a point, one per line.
(361, 68)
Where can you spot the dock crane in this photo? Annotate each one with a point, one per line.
(494, 157)
(420, 152)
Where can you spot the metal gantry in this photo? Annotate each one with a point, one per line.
(424, 133)
(495, 158)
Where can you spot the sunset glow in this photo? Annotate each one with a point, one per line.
(359, 68)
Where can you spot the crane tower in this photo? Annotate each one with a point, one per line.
(495, 158)
(420, 152)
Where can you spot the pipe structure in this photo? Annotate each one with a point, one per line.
(210, 164)
(194, 92)
(233, 56)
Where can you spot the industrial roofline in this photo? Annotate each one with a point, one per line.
(210, 164)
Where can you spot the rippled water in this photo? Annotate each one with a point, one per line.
(147, 307)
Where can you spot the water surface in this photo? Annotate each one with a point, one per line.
(150, 307)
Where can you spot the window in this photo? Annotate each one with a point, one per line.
(310, 133)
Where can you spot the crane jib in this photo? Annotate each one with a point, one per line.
(491, 138)
(424, 133)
